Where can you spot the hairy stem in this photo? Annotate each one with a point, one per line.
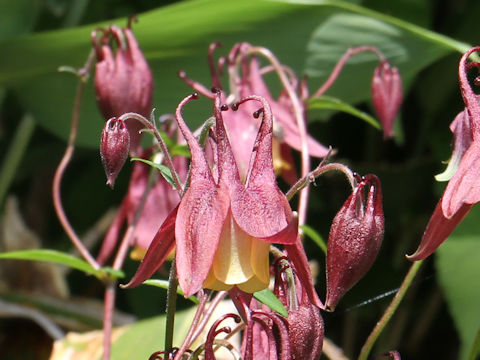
(108, 308)
(171, 306)
(387, 315)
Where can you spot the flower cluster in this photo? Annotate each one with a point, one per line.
(225, 213)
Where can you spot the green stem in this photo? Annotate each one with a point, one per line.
(387, 315)
(171, 306)
(15, 153)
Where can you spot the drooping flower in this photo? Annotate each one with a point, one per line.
(354, 240)
(387, 95)
(114, 147)
(123, 80)
(246, 78)
(463, 189)
(223, 226)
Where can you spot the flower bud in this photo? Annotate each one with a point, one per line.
(123, 80)
(355, 238)
(386, 95)
(114, 147)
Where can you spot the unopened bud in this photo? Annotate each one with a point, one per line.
(114, 148)
(387, 95)
(355, 238)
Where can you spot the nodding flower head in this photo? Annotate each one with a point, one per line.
(123, 80)
(387, 95)
(114, 147)
(463, 189)
(354, 240)
(246, 78)
(223, 226)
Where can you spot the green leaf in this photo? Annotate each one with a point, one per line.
(330, 103)
(165, 171)
(177, 36)
(164, 285)
(407, 46)
(458, 268)
(57, 257)
(315, 236)
(267, 297)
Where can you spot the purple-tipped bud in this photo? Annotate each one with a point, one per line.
(123, 80)
(114, 147)
(387, 95)
(355, 238)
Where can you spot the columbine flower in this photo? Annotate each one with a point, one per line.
(463, 189)
(354, 240)
(123, 80)
(246, 78)
(387, 95)
(222, 226)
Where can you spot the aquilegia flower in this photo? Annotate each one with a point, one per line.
(223, 227)
(463, 189)
(123, 80)
(246, 78)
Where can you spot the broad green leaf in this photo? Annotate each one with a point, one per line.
(330, 103)
(164, 285)
(405, 45)
(176, 37)
(57, 257)
(458, 268)
(315, 236)
(165, 171)
(267, 297)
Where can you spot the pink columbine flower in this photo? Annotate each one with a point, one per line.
(463, 189)
(123, 80)
(354, 240)
(223, 226)
(246, 78)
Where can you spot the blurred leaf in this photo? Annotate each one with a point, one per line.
(164, 285)
(405, 45)
(176, 37)
(131, 342)
(165, 171)
(458, 268)
(57, 257)
(315, 236)
(267, 297)
(330, 103)
(16, 17)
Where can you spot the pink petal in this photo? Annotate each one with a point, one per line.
(199, 223)
(464, 187)
(296, 253)
(157, 252)
(438, 229)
